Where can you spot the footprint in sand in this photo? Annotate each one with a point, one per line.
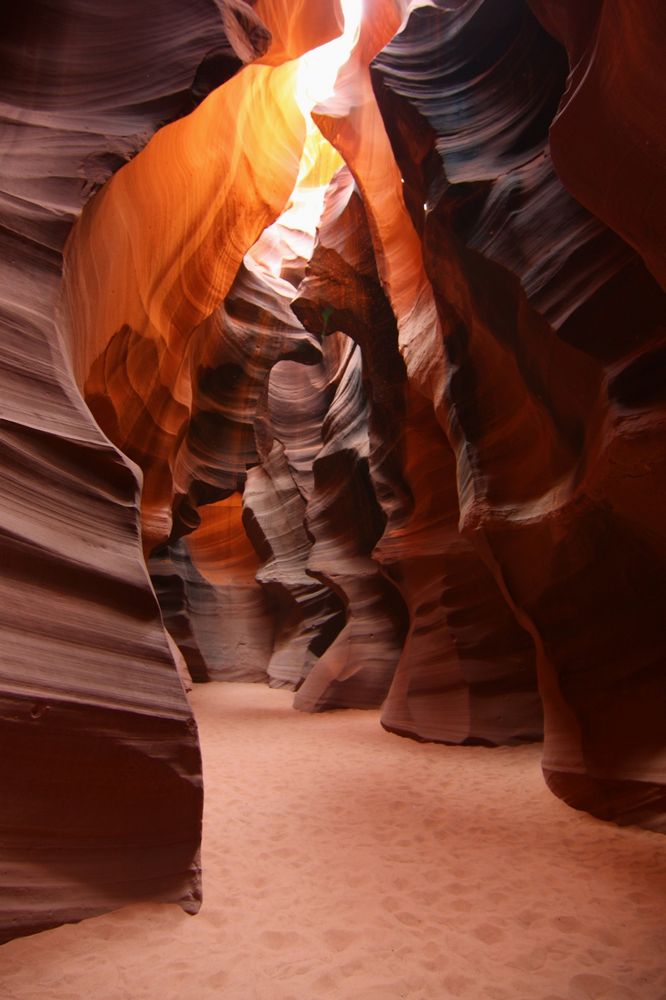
(586, 986)
(277, 939)
(408, 919)
(488, 933)
(458, 986)
(526, 918)
(461, 905)
(426, 897)
(566, 923)
(456, 888)
(339, 938)
(291, 970)
(218, 979)
(532, 961)
(325, 984)
(390, 904)
(431, 949)
(351, 968)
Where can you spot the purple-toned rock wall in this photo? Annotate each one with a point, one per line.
(414, 460)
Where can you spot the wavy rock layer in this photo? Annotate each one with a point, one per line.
(417, 465)
(619, 113)
(466, 671)
(549, 323)
(102, 803)
(102, 798)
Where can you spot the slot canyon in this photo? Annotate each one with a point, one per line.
(333, 378)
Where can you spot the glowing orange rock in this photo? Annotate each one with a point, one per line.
(466, 670)
(358, 132)
(157, 250)
(296, 26)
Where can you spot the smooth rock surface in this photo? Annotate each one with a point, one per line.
(102, 788)
(412, 460)
(549, 324)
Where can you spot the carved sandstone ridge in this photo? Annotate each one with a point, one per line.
(557, 465)
(261, 391)
(291, 595)
(312, 514)
(618, 112)
(93, 712)
(345, 522)
(442, 468)
(103, 800)
(466, 671)
(158, 249)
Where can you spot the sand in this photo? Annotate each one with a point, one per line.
(343, 862)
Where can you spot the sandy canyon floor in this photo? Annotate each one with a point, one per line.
(343, 862)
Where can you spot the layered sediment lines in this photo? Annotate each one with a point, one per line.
(102, 787)
(619, 113)
(102, 803)
(545, 314)
(415, 461)
(466, 670)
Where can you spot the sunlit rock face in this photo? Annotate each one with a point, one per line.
(466, 671)
(102, 803)
(414, 462)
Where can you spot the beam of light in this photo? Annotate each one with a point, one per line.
(318, 70)
(293, 234)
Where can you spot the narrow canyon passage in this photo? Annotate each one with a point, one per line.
(344, 376)
(344, 862)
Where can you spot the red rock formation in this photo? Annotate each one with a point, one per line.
(308, 615)
(345, 521)
(614, 98)
(437, 460)
(466, 672)
(103, 800)
(549, 322)
(102, 792)
(231, 364)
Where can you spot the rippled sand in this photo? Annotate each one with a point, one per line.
(343, 862)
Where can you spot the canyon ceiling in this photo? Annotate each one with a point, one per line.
(413, 461)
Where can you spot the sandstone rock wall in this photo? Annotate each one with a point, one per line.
(415, 463)
(102, 778)
(552, 329)
(102, 788)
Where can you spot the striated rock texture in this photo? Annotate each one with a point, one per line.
(101, 787)
(466, 671)
(416, 461)
(619, 113)
(552, 331)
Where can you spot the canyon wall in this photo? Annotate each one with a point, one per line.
(102, 789)
(414, 462)
(553, 330)
(101, 782)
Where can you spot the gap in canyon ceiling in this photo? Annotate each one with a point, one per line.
(374, 363)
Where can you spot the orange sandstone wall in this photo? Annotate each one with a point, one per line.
(416, 464)
(102, 801)
(553, 334)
